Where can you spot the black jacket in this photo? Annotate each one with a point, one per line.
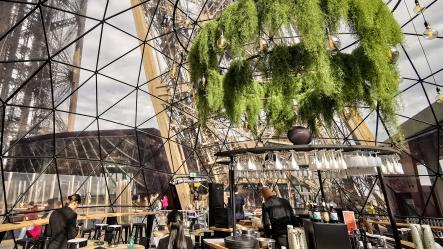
(62, 227)
(164, 242)
(276, 215)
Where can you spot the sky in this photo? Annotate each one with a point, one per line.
(426, 55)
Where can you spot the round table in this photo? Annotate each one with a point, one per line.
(119, 246)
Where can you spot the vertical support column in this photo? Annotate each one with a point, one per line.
(159, 103)
(232, 195)
(388, 209)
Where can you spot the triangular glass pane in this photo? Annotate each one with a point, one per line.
(86, 99)
(23, 135)
(110, 92)
(120, 146)
(145, 112)
(114, 43)
(122, 112)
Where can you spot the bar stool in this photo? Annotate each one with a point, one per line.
(127, 229)
(86, 231)
(77, 243)
(29, 243)
(98, 230)
(138, 231)
(116, 231)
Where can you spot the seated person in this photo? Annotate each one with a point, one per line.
(176, 238)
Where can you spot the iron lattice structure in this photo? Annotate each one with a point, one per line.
(59, 63)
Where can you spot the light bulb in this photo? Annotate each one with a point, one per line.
(174, 71)
(221, 42)
(333, 43)
(262, 45)
(439, 97)
(429, 32)
(418, 8)
(186, 22)
(394, 54)
(202, 82)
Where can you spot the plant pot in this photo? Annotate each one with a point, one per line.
(299, 135)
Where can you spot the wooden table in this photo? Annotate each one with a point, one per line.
(39, 222)
(215, 243)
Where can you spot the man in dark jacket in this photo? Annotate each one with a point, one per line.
(62, 223)
(277, 214)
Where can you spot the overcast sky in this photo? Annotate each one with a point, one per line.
(115, 43)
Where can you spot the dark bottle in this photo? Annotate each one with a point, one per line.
(333, 214)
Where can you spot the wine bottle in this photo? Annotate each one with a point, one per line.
(324, 213)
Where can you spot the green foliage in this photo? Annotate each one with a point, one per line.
(239, 23)
(285, 61)
(235, 84)
(335, 10)
(320, 84)
(214, 91)
(279, 106)
(378, 32)
(312, 25)
(272, 14)
(203, 53)
(254, 101)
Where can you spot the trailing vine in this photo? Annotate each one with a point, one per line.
(303, 82)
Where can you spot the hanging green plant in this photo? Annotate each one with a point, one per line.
(239, 23)
(273, 14)
(235, 84)
(307, 82)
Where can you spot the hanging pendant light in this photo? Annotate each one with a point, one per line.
(429, 32)
(174, 70)
(333, 43)
(439, 96)
(202, 83)
(186, 21)
(394, 54)
(418, 7)
(221, 42)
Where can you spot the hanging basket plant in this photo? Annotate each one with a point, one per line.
(299, 82)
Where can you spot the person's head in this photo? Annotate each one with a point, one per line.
(177, 239)
(267, 193)
(74, 200)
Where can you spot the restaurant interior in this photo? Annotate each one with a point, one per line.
(214, 124)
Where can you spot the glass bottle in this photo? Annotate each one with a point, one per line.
(316, 214)
(333, 214)
(324, 213)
